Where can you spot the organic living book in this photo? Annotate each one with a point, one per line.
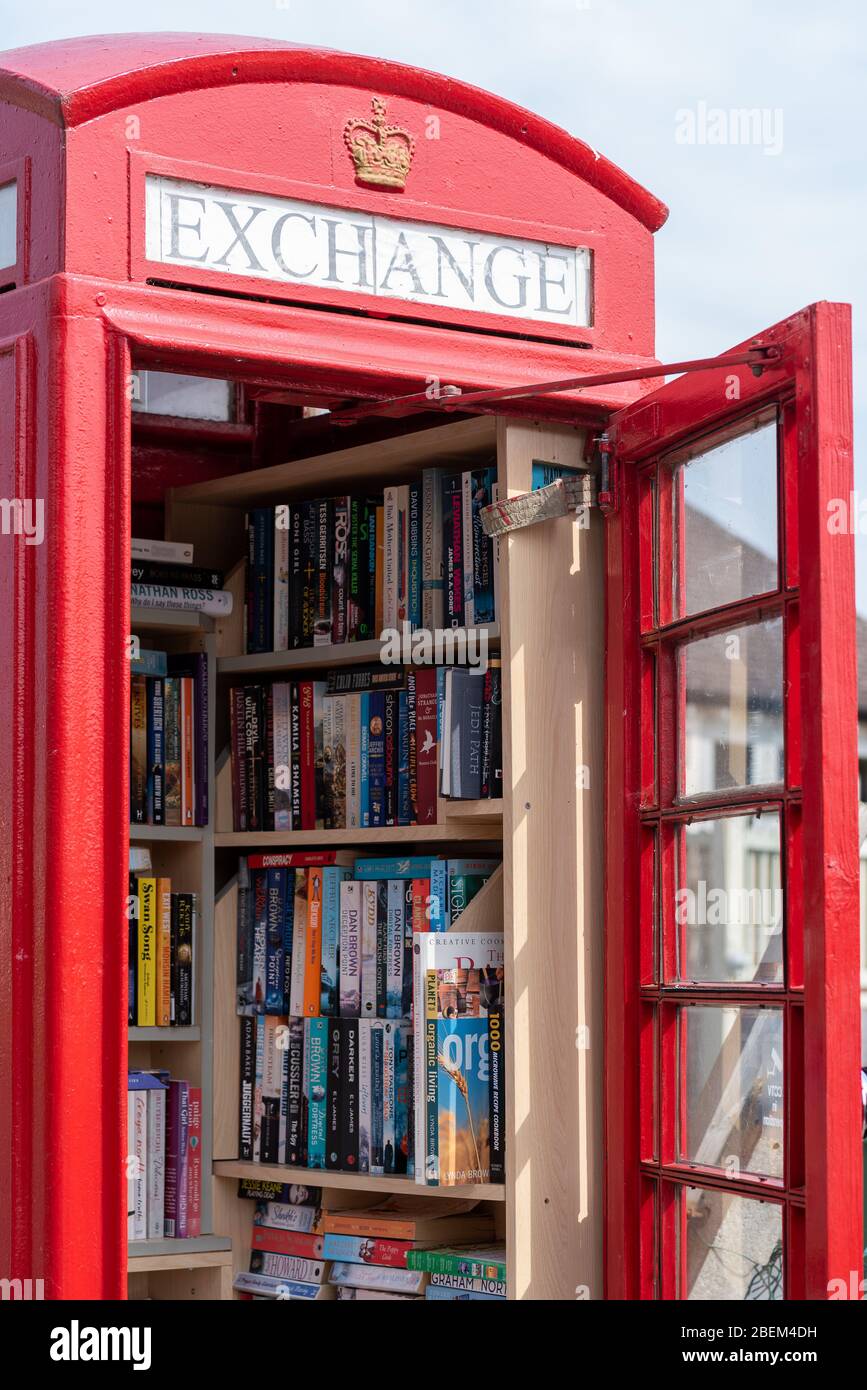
(457, 985)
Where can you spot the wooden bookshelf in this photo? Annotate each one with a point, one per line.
(169, 620)
(180, 834)
(547, 899)
(355, 1182)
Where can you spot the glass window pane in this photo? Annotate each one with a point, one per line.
(185, 397)
(733, 684)
(725, 522)
(733, 1247)
(728, 913)
(731, 1089)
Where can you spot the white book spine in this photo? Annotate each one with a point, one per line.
(353, 761)
(350, 949)
(281, 579)
(368, 950)
(467, 546)
(156, 1149)
(140, 1153)
(432, 597)
(216, 602)
(282, 758)
(258, 1108)
(166, 552)
(394, 964)
(131, 1166)
(390, 558)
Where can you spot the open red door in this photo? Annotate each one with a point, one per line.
(732, 1013)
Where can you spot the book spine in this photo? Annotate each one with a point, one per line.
(176, 576)
(147, 933)
(313, 946)
(350, 949)
(353, 760)
(186, 946)
(188, 788)
(340, 571)
(414, 556)
(275, 962)
(377, 759)
(404, 800)
(296, 579)
(381, 948)
(156, 751)
(287, 1267)
(308, 757)
(156, 1163)
(390, 739)
(244, 940)
(402, 1097)
(295, 755)
(497, 1089)
(138, 751)
(172, 754)
(439, 895)
(306, 1246)
(200, 737)
(364, 761)
(194, 1164)
(288, 935)
(164, 953)
(258, 1094)
(248, 1077)
(299, 946)
(173, 957)
(467, 546)
(379, 572)
(452, 505)
(377, 1168)
(166, 552)
(309, 571)
(431, 1089)
(316, 1047)
(281, 757)
(132, 950)
(139, 1154)
(215, 602)
(364, 1095)
(402, 556)
(322, 624)
(239, 771)
(426, 745)
(432, 550)
(339, 710)
(484, 609)
(395, 908)
(368, 950)
(389, 1135)
(332, 1120)
(349, 1095)
(391, 559)
(409, 891)
(328, 997)
(457, 1263)
(282, 525)
(296, 1126)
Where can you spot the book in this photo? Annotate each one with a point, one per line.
(166, 552)
(400, 1217)
(215, 602)
(473, 1262)
(379, 1277)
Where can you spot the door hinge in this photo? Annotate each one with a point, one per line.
(608, 474)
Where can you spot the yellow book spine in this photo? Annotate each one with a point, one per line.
(147, 950)
(164, 952)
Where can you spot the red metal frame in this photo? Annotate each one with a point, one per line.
(821, 1187)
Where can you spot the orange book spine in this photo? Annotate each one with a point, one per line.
(188, 790)
(164, 952)
(313, 945)
(421, 904)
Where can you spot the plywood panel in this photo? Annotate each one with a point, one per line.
(551, 624)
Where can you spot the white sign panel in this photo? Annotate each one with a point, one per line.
(8, 225)
(255, 234)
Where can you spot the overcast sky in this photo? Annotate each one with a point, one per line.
(755, 232)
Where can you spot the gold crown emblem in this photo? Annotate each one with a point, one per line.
(381, 153)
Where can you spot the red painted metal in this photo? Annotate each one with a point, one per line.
(821, 1186)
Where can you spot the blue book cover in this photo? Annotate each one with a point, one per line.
(483, 548)
(545, 473)
(411, 866)
(463, 1101)
(404, 800)
(414, 556)
(332, 877)
(316, 1059)
(376, 758)
(148, 663)
(275, 959)
(439, 895)
(156, 751)
(260, 580)
(364, 763)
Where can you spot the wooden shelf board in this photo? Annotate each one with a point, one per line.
(356, 1182)
(316, 658)
(400, 456)
(180, 833)
(171, 1035)
(395, 834)
(169, 620)
(199, 1252)
(488, 810)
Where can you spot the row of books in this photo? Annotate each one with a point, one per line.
(163, 576)
(164, 1157)
(364, 748)
(394, 1249)
(323, 933)
(168, 739)
(345, 569)
(162, 937)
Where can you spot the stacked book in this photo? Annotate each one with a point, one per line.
(162, 941)
(461, 1274)
(164, 1165)
(364, 748)
(302, 1250)
(163, 576)
(326, 980)
(345, 569)
(168, 756)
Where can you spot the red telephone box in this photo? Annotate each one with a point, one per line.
(319, 226)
